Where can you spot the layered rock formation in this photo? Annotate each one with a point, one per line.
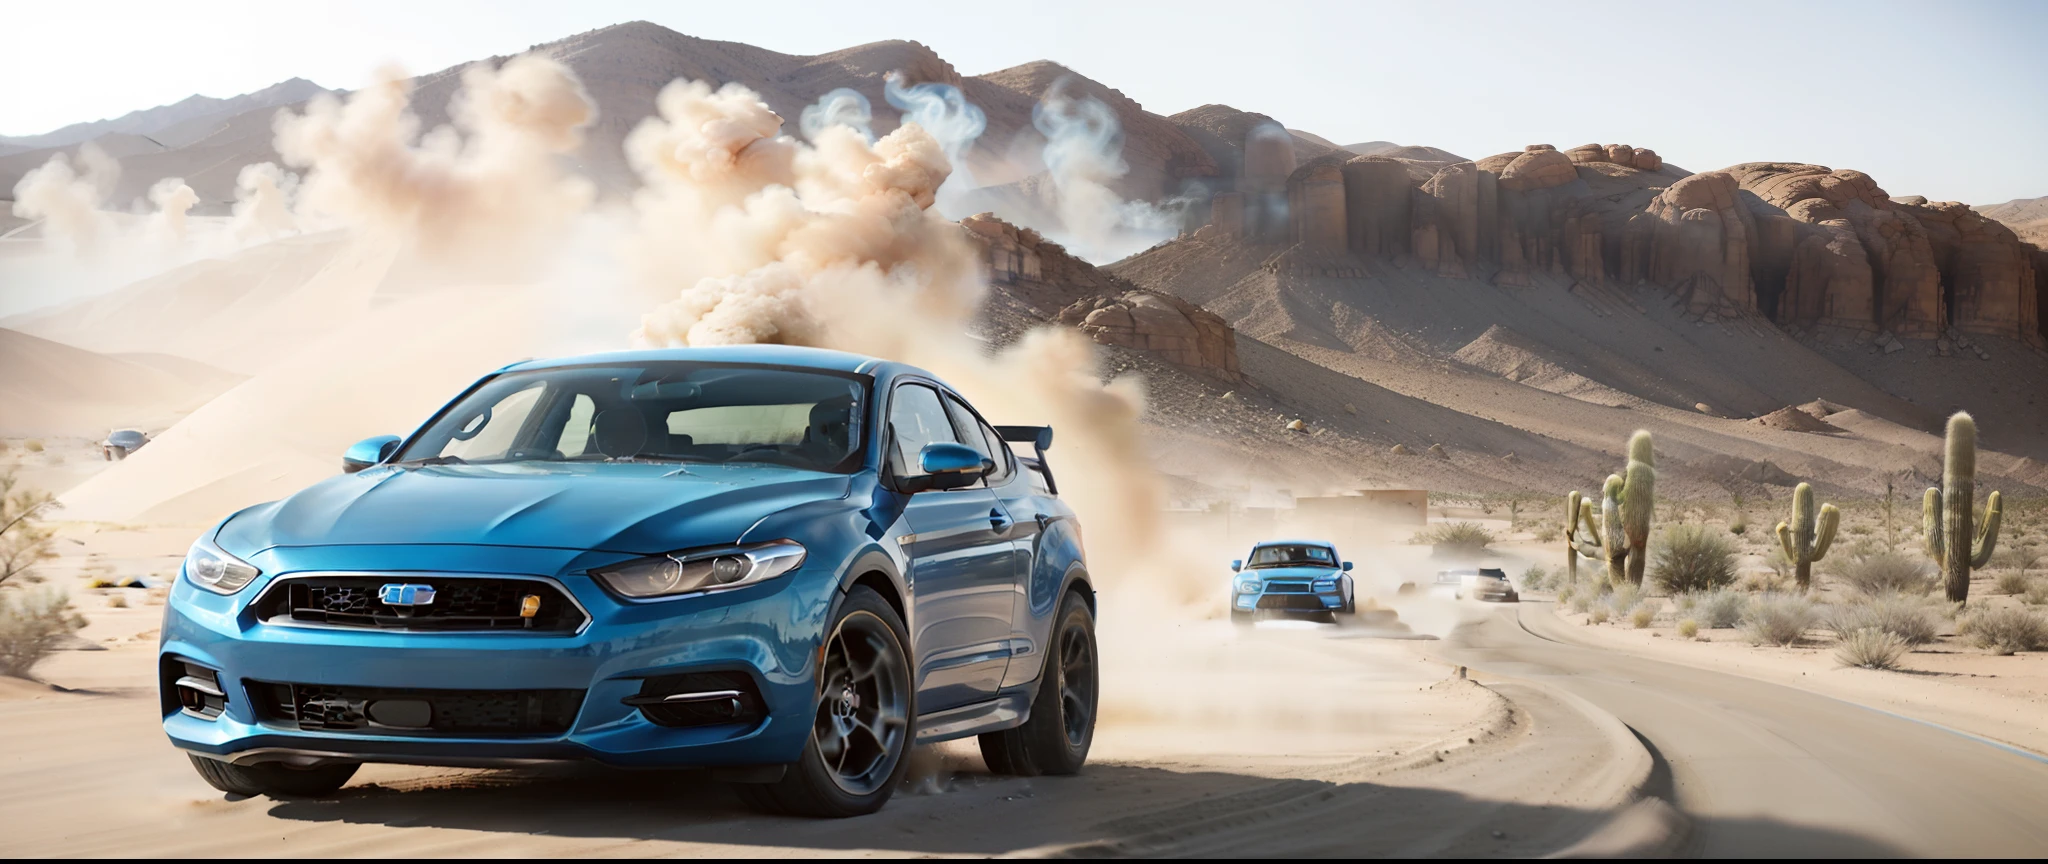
(1810, 248)
(1108, 308)
(1177, 331)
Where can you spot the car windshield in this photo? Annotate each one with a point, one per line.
(1289, 555)
(1493, 573)
(661, 411)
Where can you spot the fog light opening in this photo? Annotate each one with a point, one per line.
(199, 692)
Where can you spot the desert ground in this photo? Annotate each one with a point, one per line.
(256, 283)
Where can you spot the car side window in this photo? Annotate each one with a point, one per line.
(492, 433)
(917, 418)
(980, 437)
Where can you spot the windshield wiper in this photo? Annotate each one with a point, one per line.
(432, 460)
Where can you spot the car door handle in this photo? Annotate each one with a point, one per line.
(998, 521)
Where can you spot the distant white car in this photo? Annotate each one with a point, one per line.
(1481, 583)
(122, 442)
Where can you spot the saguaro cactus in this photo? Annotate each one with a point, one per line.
(1947, 512)
(1577, 540)
(1636, 500)
(1806, 538)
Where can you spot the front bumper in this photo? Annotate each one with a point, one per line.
(1289, 603)
(769, 632)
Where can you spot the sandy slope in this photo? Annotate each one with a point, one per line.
(51, 389)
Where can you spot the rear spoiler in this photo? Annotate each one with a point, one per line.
(1040, 439)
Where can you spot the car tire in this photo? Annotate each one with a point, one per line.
(1350, 598)
(1241, 619)
(274, 779)
(1055, 738)
(866, 716)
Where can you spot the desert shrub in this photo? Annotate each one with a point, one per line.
(1548, 534)
(118, 601)
(1885, 572)
(1564, 593)
(1535, 578)
(2004, 631)
(1911, 619)
(2017, 557)
(1688, 628)
(1693, 558)
(1642, 616)
(1583, 603)
(1467, 536)
(1778, 619)
(1718, 610)
(2011, 582)
(33, 445)
(1871, 649)
(1739, 525)
(1624, 598)
(1860, 530)
(32, 623)
(2037, 592)
(1598, 615)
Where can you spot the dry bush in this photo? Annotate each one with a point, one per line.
(1583, 603)
(1599, 615)
(33, 445)
(1884, 572)
(1548, 534)
(1871, 649)
(2011, 582)
(2037, 592)
(1778, 619)
(1462, 536)
(2004, 631)
(1535, 578)
(1688, 628)
(118, 601)
(1717, 610)
(1565, 592)
(1642, 616)
(1911, 619)
(32, 623)
(1693, 558)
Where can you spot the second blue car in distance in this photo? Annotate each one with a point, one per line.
(786, 564)
(1291, 578)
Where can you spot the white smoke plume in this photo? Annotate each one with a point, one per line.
(68, 199)
(263, 203)
(944, 112)
(1084, 147)
(486, 193)
(843, 106)
(173, 199)
(836, 245)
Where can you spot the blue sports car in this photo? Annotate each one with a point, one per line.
(1291, 577)
(783, 564)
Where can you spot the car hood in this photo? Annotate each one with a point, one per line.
(631, 508)
(1292, 572)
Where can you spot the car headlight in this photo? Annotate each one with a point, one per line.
(700, 570)
(208, 567)
(1249, 586)
(1323, 585)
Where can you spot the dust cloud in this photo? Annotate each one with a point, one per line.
(68, 199)
(1084, 146)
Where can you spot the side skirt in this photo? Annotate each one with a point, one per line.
(1008, 710)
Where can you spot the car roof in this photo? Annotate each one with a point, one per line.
(774, 355)
(1264, 543)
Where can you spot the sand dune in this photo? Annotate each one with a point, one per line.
(52, 389)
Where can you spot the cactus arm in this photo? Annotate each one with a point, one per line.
(1987, 536)
(1586, 541)
(1614, 536)
(1787, 543)
(1830, 519)
(1930, 508)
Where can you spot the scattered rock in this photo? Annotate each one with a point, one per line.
(1401, 450)
(1177, 331)
(1794, 420)
(1439, 452)
(1297, 426)
(1704, 408)
(1350, 408)
(1511, 459)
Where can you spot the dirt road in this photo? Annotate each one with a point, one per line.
(1761, 769)
(1399, 760)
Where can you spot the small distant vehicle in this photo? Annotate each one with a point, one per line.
(1291, 577)
(1483, 583)
(122, 442)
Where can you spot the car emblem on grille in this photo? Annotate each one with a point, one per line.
(398, 594)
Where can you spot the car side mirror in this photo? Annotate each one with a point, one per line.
(368, 452)
(949, 466)
(1347, 566)
(1237, 565)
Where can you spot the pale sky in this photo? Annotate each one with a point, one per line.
(1946, 100)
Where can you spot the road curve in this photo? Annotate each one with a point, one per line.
(1761, 769)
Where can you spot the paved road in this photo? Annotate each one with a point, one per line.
(1766, 770)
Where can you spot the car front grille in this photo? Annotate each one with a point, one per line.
(1279, 587)
(1291, 601)
(458, 603)
(328, 708)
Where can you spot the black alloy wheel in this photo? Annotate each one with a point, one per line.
(862, 728)
(1056, 737)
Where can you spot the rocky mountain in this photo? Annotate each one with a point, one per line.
(2027, 217)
